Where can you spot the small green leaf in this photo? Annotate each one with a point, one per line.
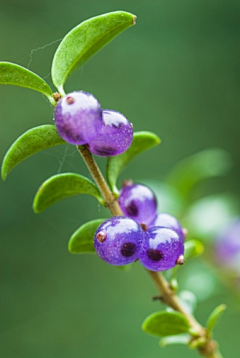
(29, 143)
(81, 240)
(12, 74)
(179, 339)
(62, 186)
(84, 41)
(141, 141)
(205, 164)
(214, 317)
(193, 248)
(165, 324)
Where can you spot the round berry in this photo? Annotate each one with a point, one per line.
(115, 136)
(78, 117)
(169, 221)
(162, 249)
(118, 240)
(138, 202)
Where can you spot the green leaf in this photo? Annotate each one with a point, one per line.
(12, 74)
(179, 339)
(84, 41)
(62, 186)
(141, 141)
(165, 324)
(214, 317)
(81, 240)
(29, 143)
(205, 164)
(193, 248)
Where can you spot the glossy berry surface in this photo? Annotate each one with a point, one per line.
(138, 202)
(115, 136)
(168, 221)
(118, 240)
(78, 117)
(228, 247)
(161, 248)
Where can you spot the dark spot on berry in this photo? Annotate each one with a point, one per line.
(128, 249)
(155, 255)
(132, 209)
(104, 151)
(144, 226)
(70, 100)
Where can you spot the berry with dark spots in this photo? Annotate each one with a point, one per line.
(169, 221)
(138, 202)
(115, 136)
(161, 249)
(78, 117)
(118, 240)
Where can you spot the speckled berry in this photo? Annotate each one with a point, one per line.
(162, 249)
(169, 221)
(118, 240)
(78, 117)
(138, 202)
(115, 136)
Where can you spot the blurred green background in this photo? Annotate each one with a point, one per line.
(175, 73)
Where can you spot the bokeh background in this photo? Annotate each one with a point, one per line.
(175, 73)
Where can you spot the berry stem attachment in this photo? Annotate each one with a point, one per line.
(209, 348)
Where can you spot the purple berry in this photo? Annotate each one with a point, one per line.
(118, 240)
(228, 247)
(115, 135)
(162, 249)
(168, 221)
(78, 117)
(138, 202)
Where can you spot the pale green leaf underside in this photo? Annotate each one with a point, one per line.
(12, 74)
(62, 186)
(29, 143)
(84, 41)
(179, 339)
(165, 324)
(203, 165)
(81, 240)
(141, 142)
(215, 316)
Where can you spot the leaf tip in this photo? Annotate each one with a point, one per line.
(4, 174)
(134, 20)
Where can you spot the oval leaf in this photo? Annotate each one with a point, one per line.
(29, 143)
(12, 74)
(81, 240)
(62, 186)
(193, 248)
(141, 141)
(84, 41)
(205, 164)
(214, 317)
(165, 324)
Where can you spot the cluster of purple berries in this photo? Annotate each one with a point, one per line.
(157, 240)
(80, 120)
